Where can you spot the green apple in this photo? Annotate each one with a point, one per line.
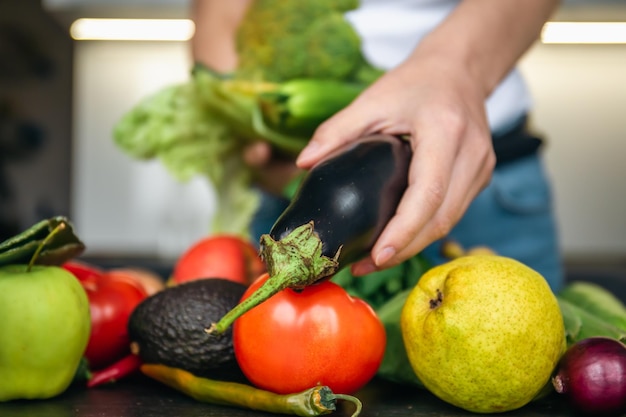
(483, 332)
(44, 329)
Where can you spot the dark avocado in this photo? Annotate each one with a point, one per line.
(169, 328)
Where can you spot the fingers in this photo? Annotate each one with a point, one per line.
(270, 173)
(439, 219)
(346, 126)
(257, 154)
(442, 184)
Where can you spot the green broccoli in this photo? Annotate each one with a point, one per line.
(281, 40)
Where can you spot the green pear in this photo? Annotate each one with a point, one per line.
(483, 332)
(44, 330)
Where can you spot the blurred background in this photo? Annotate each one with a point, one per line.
(60, 97)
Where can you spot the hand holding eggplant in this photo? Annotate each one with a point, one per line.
(443, 113)
(338, 212)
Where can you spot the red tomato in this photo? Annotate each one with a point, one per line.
(83, 271)
(111, 302)
(112, 298)
(148, 280)
(219, 256)
(299, 339)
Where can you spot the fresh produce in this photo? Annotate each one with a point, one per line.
(483, 332)
(83, 271)
(379, 287)
(199, 127)
(396, 366)
(44, 313)
(125, 366)
(280, 41)
(150, 281)
(112, 298)
(592, 376)
(316, 401)
(168, 328)
(581, 324)
(145, 278)
(52, 240)
(334, 219)
(317, 335)
(349, 198)
(596, 300)
(299, 106)
(219, 256)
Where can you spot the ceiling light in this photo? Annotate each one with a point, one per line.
(584, 32)
(132, 29)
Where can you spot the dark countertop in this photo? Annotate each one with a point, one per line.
(142, 397)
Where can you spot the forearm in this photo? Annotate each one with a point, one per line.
(486, 37)
(216, 21)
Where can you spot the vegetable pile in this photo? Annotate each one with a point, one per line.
(294, 351)
(302, 363)
(300, 62)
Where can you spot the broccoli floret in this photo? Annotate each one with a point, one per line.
(280, 40)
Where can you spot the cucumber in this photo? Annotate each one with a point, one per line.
(581, 324)
(299, 106)
(596, 300)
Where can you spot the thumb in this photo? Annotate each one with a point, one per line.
(344, 127)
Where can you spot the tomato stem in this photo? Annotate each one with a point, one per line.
(295, 262)
(43, 243)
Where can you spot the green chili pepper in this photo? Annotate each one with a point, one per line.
(314, 401)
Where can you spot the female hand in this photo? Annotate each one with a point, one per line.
(442, 110)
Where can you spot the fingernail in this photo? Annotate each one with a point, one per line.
(363, 268)
(384, 255)
(309, 151)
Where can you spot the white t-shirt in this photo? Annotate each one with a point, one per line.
(390, 30)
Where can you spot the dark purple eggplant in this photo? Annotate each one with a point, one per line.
(349, 198)
(334, 219)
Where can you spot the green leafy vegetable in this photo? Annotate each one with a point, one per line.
(57, 248)
(200, 127)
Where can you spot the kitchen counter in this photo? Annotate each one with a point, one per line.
(140, 396)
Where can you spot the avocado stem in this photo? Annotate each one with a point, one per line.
(295, 262)
(43, 243)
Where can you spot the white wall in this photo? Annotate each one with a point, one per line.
(580, 96)
(120, 205)
(125, 206)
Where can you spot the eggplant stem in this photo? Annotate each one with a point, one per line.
(295, 262)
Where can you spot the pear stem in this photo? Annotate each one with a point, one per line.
(295, 261)
(43, 243)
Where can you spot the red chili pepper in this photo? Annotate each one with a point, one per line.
(118, 370)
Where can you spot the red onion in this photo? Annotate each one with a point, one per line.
(592, 376)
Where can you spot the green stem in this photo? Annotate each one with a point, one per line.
(43, 243)
(354, 400)
(295, 261)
